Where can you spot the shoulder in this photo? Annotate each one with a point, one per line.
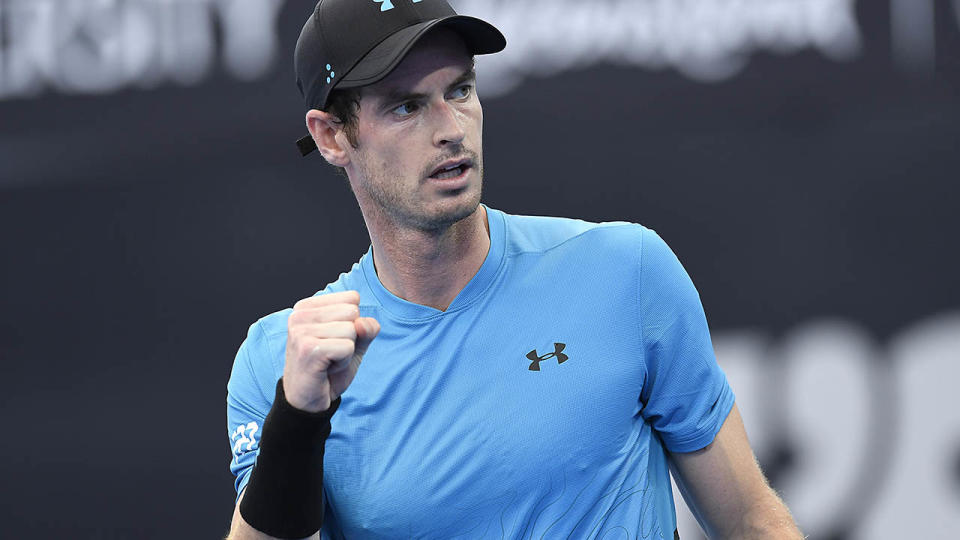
(544, 233)
(259, 361)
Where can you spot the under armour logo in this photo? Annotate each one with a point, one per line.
(387, 5)
(558, 354)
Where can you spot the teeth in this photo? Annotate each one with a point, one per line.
(449, 173)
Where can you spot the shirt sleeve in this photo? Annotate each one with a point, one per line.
(250, 394)
(685, 395)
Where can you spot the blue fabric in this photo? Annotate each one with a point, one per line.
(447, 432)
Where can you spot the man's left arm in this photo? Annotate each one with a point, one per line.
(726, 490)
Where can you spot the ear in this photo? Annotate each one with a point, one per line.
(324, 128)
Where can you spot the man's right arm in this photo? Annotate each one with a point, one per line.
(241, 530)
(326, 341)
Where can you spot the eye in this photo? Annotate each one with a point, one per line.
(406, 109)
(462, 92)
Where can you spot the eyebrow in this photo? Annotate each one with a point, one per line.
(397, 95)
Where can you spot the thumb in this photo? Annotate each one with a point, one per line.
(367, 329)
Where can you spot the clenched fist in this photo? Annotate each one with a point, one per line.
(326, 341)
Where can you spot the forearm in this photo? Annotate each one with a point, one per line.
(727, 492)
(767, 518)
(241, 530)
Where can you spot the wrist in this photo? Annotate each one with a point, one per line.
(304, 401)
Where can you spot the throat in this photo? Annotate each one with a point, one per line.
(432, 271)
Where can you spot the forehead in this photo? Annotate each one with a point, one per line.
(441, 50)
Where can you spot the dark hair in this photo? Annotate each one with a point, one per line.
(345, 104)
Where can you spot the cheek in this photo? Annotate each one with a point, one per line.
(477, 117)
(393, 162)
(380, 152)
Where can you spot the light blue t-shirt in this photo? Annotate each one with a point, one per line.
(539, 405)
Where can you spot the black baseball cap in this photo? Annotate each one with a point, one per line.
(353, 43)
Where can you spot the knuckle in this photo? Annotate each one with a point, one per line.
(337, 329)
(347, 330)
(317, 351)
(297, 333)
(342, 312)
(298, 317)
(306, 348)
(339, 349)
(314, 348)
(349, 347)
(333, 312)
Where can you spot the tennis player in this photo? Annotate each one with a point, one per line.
(476, 374)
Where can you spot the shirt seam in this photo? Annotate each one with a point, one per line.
(252, 367)
(575, 237)
(273, 361)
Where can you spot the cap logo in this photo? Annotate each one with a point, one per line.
(387, 5)
(330, 74)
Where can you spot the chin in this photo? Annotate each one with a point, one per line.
(451, 212)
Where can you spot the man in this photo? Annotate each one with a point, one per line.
(521, 376)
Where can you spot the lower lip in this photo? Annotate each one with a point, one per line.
(455, 182)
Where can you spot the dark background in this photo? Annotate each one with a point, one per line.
(144, 230)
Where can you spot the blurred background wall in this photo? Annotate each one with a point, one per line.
(800, 156)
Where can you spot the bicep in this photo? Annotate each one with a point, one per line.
(722, 481)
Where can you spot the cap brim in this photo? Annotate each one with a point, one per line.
(480, 37)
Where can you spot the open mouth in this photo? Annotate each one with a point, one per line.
(451, 170)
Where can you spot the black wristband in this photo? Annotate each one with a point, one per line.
(284, 497)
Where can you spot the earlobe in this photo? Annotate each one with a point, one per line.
(324, 128)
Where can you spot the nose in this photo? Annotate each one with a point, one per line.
(450, 126)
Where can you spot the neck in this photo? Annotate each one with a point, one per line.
(429, 268)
